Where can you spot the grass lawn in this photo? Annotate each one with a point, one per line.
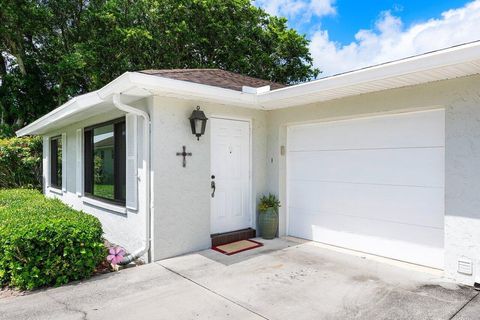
(104, 191)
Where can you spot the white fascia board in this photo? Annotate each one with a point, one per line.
(116, 86)
(191, 90)
(72, 106)
(153, 85)
(270, 100)
(434, 60)
(176, 88)
(247, 89)
(78, 104)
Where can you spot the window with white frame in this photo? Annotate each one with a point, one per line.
(105, 161)
(56, 162)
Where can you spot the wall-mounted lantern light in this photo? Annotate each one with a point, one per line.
(198, 122)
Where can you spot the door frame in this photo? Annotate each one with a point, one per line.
(253, 221)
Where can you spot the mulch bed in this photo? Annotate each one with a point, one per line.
(9, 292)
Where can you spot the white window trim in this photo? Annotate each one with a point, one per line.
(60, 192)
(46, 162)
(48, 173)
(79, 162)
(64, 162)
(131, 141)
(104, 205)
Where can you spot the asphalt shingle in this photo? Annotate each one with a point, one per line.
(214, 77)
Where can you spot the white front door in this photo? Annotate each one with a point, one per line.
(230, 173)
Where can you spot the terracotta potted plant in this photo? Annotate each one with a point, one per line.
(268, 216)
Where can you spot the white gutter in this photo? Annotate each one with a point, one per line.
(146, 156)
(176, 88)
(74, 105)
(435, 60)
(191, 90)
(454, 62)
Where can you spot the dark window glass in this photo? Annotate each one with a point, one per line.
(88, 162)
(56, 162)
(103, 166)
(105, 161)
(120, 162)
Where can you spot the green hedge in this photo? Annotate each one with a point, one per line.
(21, 163)
(44, 242)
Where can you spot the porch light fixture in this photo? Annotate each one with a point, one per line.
(198, 122)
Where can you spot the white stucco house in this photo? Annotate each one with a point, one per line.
(383, 160)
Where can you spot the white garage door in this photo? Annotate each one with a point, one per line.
(371, 184)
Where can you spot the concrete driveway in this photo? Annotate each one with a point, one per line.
(282, 280)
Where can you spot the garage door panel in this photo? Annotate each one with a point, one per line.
(420, 166)
(372, 184)
(410, 205)
(381, 230)
(414, 244)
(404, 130)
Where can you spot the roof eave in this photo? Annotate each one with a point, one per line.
(456, 56)
(444, 64)
(74, 105)
(149, 85)
(191, 90)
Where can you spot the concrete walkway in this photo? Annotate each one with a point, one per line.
(282, 280)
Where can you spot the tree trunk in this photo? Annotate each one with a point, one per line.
(3, 66)
(17, 52)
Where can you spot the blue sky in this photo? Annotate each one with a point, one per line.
(354, 15)
(348, 34)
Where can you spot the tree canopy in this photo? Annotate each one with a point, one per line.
(54, 50)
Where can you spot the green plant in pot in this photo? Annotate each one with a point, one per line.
(268, 216)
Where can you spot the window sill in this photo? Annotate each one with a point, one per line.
(105, 205)
(55, 190)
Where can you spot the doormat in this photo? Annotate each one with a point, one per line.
(237, 246)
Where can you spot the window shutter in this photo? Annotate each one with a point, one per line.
(131, 165)
(64, 162)
(46, 161)
(79, 162)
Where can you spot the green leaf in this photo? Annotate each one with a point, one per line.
(68, 48)
(45, 242)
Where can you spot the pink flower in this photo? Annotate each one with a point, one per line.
(115, 255)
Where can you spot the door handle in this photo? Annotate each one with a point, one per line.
(212, 185)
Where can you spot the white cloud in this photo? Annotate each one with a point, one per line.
(322, 7)
(390, 39)
(303, 9)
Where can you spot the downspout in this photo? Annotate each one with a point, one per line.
(146, 155)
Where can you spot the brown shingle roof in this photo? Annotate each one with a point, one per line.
(214, 77)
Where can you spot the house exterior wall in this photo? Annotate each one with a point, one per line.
(126, 229)
(461, 100)
(181, 222)
(181, 196)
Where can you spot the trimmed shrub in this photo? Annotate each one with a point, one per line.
(21, 162)
(44, 242)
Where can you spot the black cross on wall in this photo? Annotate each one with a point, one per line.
(184, 154)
